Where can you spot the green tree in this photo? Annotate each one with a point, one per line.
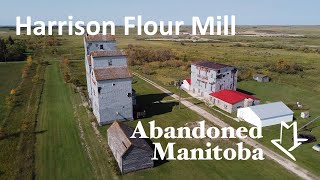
(3, 50)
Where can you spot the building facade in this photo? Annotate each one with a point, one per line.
(109, 81)
(208, 77)
(230, 100)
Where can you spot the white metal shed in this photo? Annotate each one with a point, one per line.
(266, 114)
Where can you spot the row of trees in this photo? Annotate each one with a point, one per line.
(12, 50)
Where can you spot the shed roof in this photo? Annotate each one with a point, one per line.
(100, 38)
(259, 75)
(211, 65)
(108, 53)
(123, 134)
(231, 96)
(270, 110)
(108, 73)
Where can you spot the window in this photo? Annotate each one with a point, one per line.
(99, 89)
(129, 95)
(101, 46)
(113, 84)
(110, 62)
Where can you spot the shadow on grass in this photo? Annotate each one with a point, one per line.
(158, 162)
(244, 91)
(153, 105)
(40, 132)
(8, 136)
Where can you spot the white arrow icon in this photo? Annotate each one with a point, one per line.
(296, 141)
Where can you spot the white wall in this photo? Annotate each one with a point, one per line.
(276, 120)
(249, 116)
(185, 85)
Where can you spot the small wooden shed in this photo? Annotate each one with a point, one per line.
(131, 154)
(261, 78)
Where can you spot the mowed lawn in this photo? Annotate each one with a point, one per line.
(59, 153)
(167, 114)
(10, 77)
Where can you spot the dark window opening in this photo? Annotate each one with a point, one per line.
(99, 89)
(101, 46)
(110, 62)
(113, 84)
(124, 144)
(129, 94)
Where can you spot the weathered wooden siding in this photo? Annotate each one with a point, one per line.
(136, 159)
(114, 103)
(102, 62)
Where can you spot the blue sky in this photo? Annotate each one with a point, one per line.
(248, 12)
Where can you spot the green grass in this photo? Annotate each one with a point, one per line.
(59, 153)
(194, 169)
(10, 77)
(17, 144)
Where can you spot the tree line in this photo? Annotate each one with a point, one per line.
(12, 50)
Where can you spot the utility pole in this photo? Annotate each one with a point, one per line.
(179, 83)
(306, 125)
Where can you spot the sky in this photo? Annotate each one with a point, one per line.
(247, 12)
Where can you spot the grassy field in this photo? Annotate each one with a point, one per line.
(18, 133)
(59, 153)
(176, 117)
(10, 77)
(67, 147)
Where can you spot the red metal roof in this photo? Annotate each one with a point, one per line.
(231, 96)
(189, 80)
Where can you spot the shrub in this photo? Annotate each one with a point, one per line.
(285, 67)
(13, 92)
(147, 70)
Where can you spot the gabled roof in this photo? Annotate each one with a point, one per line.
(108, 53)
(270, 110)
(99, 38)
(211, 65)
(113, 72)
(123, 134)
(231, 96)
